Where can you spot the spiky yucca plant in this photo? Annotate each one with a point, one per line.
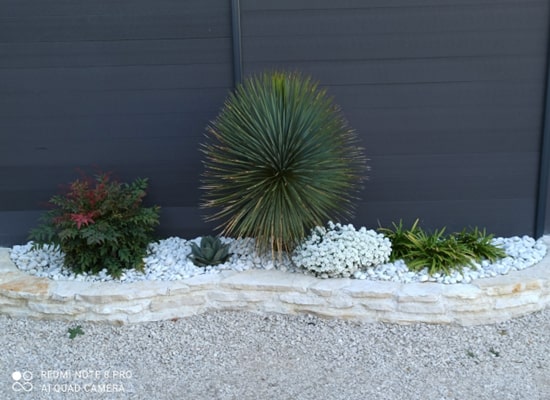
(280, 159)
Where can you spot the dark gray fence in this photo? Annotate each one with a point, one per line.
(126, 86)
(447, 95)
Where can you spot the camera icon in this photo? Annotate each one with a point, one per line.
(22, 381)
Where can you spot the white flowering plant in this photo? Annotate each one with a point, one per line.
(341, 250)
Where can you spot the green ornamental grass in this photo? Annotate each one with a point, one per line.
(280, 159)
(438, 252)
(400, 239)
(479, 242)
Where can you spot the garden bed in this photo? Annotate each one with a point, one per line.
(481, 301)
(169, 260)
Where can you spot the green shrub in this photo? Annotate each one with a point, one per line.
(480, 244)
(210, 252)
(437, 252)
(280, 160)
(99, 224)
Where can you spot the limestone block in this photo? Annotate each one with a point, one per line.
(271, 280)
(510, 286)
(178, 287)
(545, 298)
(301, 299)
(539, 271)
(274, 306)
(10, 275)
(25, 286)
(10, 301)
(421, 292)
(112, 292)
(226, 296)
(379, 304)
(7, 267)
(340, 301)
(58, 308)
(372, 289)
(534, 284)
(421, 307)
(145, 289)
(22, 312)
(179, 301)
(126, 307)
(511, 301)
(482, 304)
(462, 292)
(523, 309)
(68, 290)
(329, 287)
(201, 282)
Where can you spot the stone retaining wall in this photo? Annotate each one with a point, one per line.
(480, 302)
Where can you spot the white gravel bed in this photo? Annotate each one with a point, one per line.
(168, 260)
(233, 355)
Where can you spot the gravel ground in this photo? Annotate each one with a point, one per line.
(236, 355)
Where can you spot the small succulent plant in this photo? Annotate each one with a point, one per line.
(211, 252)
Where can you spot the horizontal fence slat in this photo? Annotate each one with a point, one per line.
(269, 5)
(394, 46)
(105, 27)
(368, 21)
(114, 53)
(59, 81)
(411, 71)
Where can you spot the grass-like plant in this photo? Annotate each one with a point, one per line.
(479, 242)
(438, 252)
(280, 159)
(399, 238)
(99, 223)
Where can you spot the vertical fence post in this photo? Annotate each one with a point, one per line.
(544, 163)
(236, 35)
